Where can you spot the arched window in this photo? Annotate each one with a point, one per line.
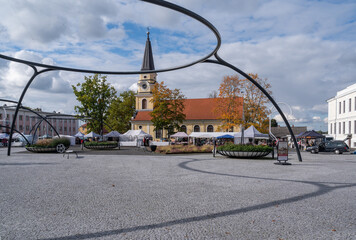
(210, 128)
(183, 128)
(144, 104)
(196, 128)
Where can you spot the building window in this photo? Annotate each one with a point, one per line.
(144, 104)
(159, 133)
(349, 127)
(339, 127)
(349, 104)
(27, 127)
(355, 104)
(27, 118)
(0, 116)
(355, 127)
(331, 128)
(210, 128)
(21, 127)
(343, 127)
(20, 117)
(335, 128)
(343, 106)
(196, 128)
(183, 128)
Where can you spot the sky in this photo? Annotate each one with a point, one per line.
(305, 48)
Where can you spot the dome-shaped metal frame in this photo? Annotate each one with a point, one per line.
(206, 59)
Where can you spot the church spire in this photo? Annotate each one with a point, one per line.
(148, 63)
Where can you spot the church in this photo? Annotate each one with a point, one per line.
(200, 114)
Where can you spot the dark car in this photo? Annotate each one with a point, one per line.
(337, 147)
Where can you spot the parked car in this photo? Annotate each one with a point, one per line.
(337, 147)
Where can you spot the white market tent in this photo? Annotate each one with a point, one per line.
(180, 135)
(250, 132)
(210, 134)
(113, 134)
(71, 139)
(79, 135)
(132, 135)
(92, 135)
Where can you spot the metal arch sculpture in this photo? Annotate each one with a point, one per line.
(217, 60)
(29, 109)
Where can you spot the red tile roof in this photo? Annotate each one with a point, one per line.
(195, 109)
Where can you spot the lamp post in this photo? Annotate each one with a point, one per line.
(270, 116)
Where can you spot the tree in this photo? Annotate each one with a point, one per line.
(95, 96)
(213, 94)
(254, 102)
(121, 110)
(274, 123)
(229, 104)
(168, 108)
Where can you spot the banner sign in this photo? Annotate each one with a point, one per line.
(282, 153)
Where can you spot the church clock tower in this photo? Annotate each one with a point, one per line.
(146, 81)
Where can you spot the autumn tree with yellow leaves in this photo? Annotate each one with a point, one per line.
(235, 94)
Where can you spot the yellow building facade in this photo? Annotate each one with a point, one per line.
(200, 113)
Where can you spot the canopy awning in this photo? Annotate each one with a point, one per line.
(252, 132)
(113, 134)
(79, 134)
(180, 134)
(92, 135)
(310, 134)
(226, 136)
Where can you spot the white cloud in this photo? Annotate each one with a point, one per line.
(316, 118)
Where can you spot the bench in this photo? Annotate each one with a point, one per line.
(68, 152)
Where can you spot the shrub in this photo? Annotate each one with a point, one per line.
(172, 149)
(244, 148)
(64, 141)
(108, 143)
(51, 143)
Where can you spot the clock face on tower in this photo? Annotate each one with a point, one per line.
(144, 86)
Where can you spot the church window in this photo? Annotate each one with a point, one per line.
(183, 128)
(196, 128)
(144, 104)
(210, 128)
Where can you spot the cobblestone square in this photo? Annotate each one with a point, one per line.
(47, 196)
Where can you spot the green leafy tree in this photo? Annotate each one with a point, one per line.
(274, 123)
(168, 108)
(95, 96)
(121, 110)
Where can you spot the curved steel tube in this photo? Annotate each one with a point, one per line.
(2, 126)
(204, 59)
(29, 109)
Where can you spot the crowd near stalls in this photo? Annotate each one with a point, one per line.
(250, 136)
(309, 138)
